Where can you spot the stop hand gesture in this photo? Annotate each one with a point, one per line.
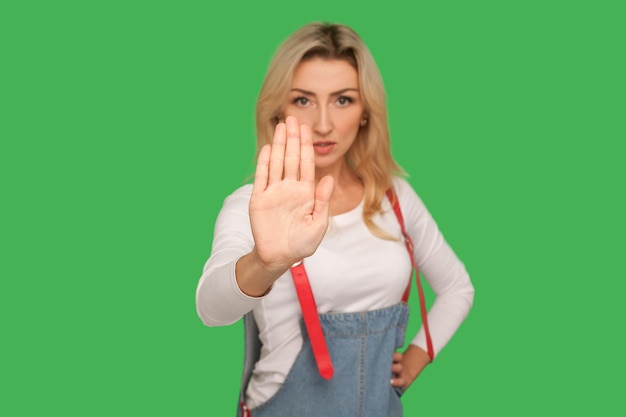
(288, 211)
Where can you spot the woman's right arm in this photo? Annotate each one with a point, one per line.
(219, 300)
(285, 221)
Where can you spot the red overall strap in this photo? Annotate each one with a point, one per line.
(309, 307)
(312, 320)
(409, 246)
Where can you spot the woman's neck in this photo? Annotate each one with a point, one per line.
(348, 191)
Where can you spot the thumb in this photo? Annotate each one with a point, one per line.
(323, 192)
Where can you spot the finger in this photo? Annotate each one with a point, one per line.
(261, 174)
(396, 368)
(397, 382)
(307, 155)
(323, 192)
(292, 150)
(277, 156)
(397, 356)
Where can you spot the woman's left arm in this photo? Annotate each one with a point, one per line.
(446, 276)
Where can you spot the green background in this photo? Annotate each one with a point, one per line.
(124, 125)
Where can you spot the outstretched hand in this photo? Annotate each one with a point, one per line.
(288, 211)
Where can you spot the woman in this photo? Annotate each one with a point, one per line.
(323, 193)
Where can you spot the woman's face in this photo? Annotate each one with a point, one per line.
(325, 95)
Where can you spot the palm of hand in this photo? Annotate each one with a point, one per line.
(288, 212)
(283, 224)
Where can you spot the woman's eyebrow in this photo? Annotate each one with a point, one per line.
(299, 90)
(336, 93)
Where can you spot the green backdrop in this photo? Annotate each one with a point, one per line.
(124, 125)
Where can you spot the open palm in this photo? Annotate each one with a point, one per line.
(288, 211)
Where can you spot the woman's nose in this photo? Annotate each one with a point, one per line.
(323, 125)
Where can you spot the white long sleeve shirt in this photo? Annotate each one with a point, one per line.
(352, 270)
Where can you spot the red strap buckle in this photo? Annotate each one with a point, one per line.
(245, 411)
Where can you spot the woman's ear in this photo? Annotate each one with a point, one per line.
(364, 118)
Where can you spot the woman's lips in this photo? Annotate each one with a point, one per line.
(322, 148)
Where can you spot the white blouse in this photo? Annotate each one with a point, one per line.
(352, 270)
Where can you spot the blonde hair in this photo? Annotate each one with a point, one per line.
(370, 155)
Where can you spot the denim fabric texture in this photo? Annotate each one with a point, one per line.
(361, 347)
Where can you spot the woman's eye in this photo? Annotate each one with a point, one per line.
(343, 100)
(301, 101)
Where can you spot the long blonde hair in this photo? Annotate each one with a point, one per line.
(370, 155)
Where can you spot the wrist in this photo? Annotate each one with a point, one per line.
(254, 277)
(415, 359)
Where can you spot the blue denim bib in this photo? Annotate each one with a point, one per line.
(361, 346)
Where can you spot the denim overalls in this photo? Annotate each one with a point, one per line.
(361, 346)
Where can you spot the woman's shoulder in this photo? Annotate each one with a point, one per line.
(401, 185)
(408, 197)
(403, 188)
(237, 201)
(243, 191)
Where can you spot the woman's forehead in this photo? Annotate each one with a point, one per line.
(320, 75)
